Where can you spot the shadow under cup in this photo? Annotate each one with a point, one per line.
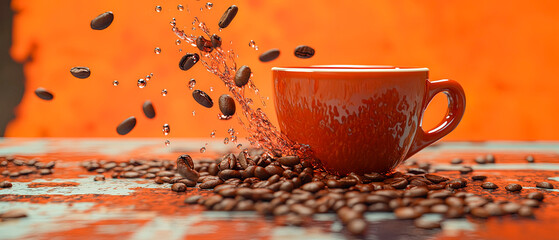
(361, 119)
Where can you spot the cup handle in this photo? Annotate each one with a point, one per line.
(456, 108)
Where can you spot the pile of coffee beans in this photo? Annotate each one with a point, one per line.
(18, 167)
(133, 168)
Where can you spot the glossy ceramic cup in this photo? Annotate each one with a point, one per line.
(362, 119)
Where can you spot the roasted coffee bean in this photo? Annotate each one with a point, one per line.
(457, 183)
(165, 174)
(228, 162)
(304, 51)
(261, 173)
(185, 167)
(216, 41)
(126, 126)
(202, 98)
(5, 184)
(287, 186)
(465, 170)
(269, 55)
(435, 178)
(203, 44)
(26, 172)
(479, 212)
(513, 187)
(427, 224)
(80, 72)
(289, 161)
(511, 208)
(229, 173)
(357, 226)
(525, 211)
(406, 213)
(5, 173)
(439, 194)
(436, 186)
(313, 186)
(149, 176)
(227, 105)
(45, 171)
(148, 109)
(213, 169)
(479, 177)
(210, 184)
(494, 209)
(192, 199)
(242, 76)
(274, 169)
(14, 174)
(346, 214)
(130, 175)
(102, 21)
(456, 161)
(178, 187)
(536, 195)
(399, 183)
(531, 203)
(4, 163)
(530, 158)
(188, 61)
(228, 16)
(455, 212)
(489, 185)
(99, 178)
(545, 185)
(480, 160)
(416, 192)
(417, 171)
(44, 94)
(490, 158)
(14, 213)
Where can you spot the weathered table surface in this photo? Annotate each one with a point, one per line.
(68, 204)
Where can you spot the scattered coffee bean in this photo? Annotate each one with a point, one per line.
(148, 109)
(14, 213)
(188, 61)
(480, 212)
(228, 16)
(126, 126)
(435, 178)
(102, 21)
(399, 183)
(374, 177)
(192, 199)
(80, 72)
(406, 213)
(269, 55)
(525, 211)
(44, 94)
(99, 178)
(45, 171)
(489, 185)
(202, 98)
(416, 192)
(511, 208)
(313, 186)
(5, 184)
(426, 224)
(531, 203)
(536, 196)
(457, 183)
(490, 158)
(479, 177)
(185, 167)
(178, 187)
(417, 171)
(357, 226)
(465, 170)
(456, 161)
(216, 41)
(304, 51)
(480, 160)
(289, 161)
(545, 185)
(203, 44)
(242, 76)
(530, 158)
(210, 184)
(513, 187)
(227, 105)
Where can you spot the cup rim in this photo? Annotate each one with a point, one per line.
(351, 68)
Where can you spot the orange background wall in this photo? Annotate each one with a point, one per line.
(504, 53)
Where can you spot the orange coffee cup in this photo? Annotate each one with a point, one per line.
(362, 119)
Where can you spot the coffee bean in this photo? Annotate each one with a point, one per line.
(273, 169)
(417, 171)
(513, 187)
(210, 184)
(202, 98)
(99, 178)
(357, 226)
(227, 105)
(406, 213)
(261, 173)
(479, 212)
(5, 184)
(545, 185)
(427, 224)
(216, 41)
(4, 163)
(531, 203)
(525, 211)
(435, 178)
(465, 170)
(489, 185)
(148, 109)
(511, 208)
(50, 165)
(14, 174)
(289, 161)
(130, 175)
(102, 21)
(228, 16)
(480, 160)
(149, 176)
(269, 55)
(5, 173)
(313, 186)
(192, 199)
(45, 171)
(456, 161)
(229, 173)
(188, 61)
(304, 51)
(228, 162)
(26, 172)
(242, 76)
(126, 126)
(185, 167)
(494, 209)
(530, 158)
(287, 186)
(454, 202)
(203, 44)
(399, 183)
(536, 195)
(479, 177)
(455, 212)
(178, 187)
(439, 194)
(416, 192)
(457, 183)
(44, 94)
(80, 72)
(14, 213)
(489, 158)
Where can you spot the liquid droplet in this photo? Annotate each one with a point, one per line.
(142, 83)
(252, 44)
(226, 141)
(180, 7)
(233, 138)
(164, 92)
(157, 50)
(212, 134)
(151, 74)
(166, 129)
(191, 83)
(224, 117)
(178, 42)
(209, 5)
(239, 146)
(148, 77)
(201, 9)
(167, 142)
(115, 83)
(158, 8)
(193, 113)
(211, 89)
(231, 131)
(202, 149)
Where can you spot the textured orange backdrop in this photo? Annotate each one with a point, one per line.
(504, 53)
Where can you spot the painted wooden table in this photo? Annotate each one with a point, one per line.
(69, 204)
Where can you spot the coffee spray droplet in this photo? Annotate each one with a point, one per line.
(115, 83)
(141, 83)
(157, 50)
(202, 149)
(212, 134)
(180, 7)
(226, 141)
(209, 5)
(158, 8)
(166, 129)
(164, 92)
(191, 83)
(167, 142)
